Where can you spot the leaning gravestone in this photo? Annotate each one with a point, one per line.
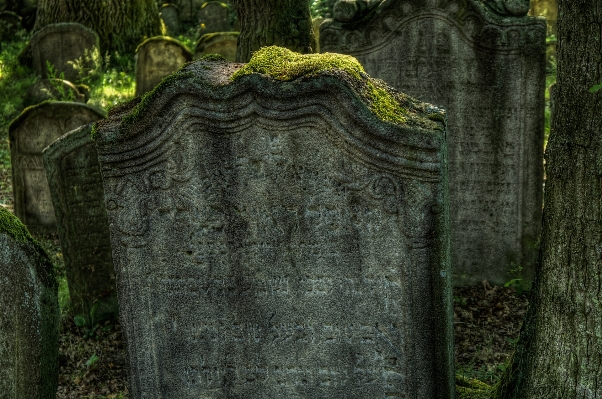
(157, 58)
(29, 315)
(214, 16)
(171, 18)
(222, 43)
(488, 71)
(290, 240)
(30, 133)
(73, 176)
(61, 43)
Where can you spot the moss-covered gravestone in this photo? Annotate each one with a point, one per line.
(75, 183)
(486, 67)
(31, 132)
(157, 58)
(222, 43)
(214, 16)
(280, 230)
(60, 44)
(29, 315)
(170, 15)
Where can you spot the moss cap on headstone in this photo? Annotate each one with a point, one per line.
(11, 226)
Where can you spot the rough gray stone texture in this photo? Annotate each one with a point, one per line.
(222, 43)
(73, 175)
(31, 132)
(157, 58)
(171, 18)
(46, 89)
(488, 72)
(59, 44)
(278, 240)
(214, 16)
(29, 315)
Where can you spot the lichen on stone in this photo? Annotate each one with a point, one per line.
(13, 227)
(467, 388)
(285, 65)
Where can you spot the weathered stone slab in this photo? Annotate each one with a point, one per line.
(73, 175)
(291, 241)
(59, 44)
(222, 43)
(31, 132)
(171, 18)
(488, 72)
(29, 315)
(189, 10)
(157, 58)
(214, 16)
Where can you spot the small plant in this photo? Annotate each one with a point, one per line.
(57, 84)
(517, 282)
(595, 88)
(93, 359)
(459, 300)
(90, 324)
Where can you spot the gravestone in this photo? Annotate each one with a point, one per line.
(171, 18)
(157, 58)
(31, 132)
(29, 315)
(487, 70)
(214, 16)
(222, 43)
(189, 10)
(55, 89)
(73, 176)
(291, 241)
(61, 43)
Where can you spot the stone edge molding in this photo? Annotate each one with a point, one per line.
(134, 137)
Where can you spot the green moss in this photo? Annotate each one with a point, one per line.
(212, 57)
(467, 388)
(285, 65)
(12, 226)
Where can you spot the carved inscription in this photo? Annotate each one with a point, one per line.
(493, 120)
(267, 274)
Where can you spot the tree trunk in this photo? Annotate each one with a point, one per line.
(121, 25)
(285, 23)
(559, 353)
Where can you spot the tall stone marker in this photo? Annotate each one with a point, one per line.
(214, 16)
(157, 58)
(277, 239)
(29, 315)
(488, 71)
(75, 183)
(222, 43)
(31, 132)
(61, 43)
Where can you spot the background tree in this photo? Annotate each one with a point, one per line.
(285, 23)
(559, 352)
(322, 8)
(120, 24)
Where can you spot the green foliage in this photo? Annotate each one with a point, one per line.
(212, 57)
(285, 65)
(93, 359)
(90, 323)
(467, 388)
(517, 282)
(322, 8)
(595, 88)
(460, 300)
(57, 83)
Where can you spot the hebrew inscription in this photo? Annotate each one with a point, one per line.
(488, 73)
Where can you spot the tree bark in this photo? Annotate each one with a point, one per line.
(121, 25)
(559, 353)
(285, 23)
